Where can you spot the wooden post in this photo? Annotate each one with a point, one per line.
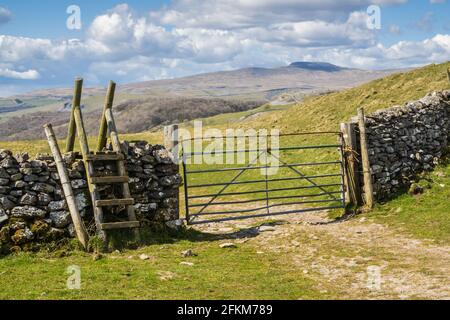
(102, 135)
(78, 223)
(76, 100)
(353, 194)
(171, 140)
(448, 74)
(368, 188)
(84, 145)
(112, 130)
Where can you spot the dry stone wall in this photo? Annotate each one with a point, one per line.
(33, 211)
(406, 140)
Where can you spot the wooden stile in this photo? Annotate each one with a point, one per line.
(78, 223)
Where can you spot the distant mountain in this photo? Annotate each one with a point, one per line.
(316, 66)
(238, 89)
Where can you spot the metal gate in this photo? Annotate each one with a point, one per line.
(309, 176)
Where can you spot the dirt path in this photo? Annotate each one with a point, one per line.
(350, 259)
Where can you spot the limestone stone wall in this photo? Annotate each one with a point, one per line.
(33, 211)
(406, 140)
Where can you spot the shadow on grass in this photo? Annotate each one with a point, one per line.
(124, 239)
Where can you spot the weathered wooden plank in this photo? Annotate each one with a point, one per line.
(109, 179)
(105, 157)
(80, 228)
(102, 135)
(76, 100)
(119, 225)
(114, 202)
(368, 188)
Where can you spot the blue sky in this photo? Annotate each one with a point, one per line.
(131, 41)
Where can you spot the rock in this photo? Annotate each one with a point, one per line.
(43, 187)
(82, 200)
(8, 162)
(266, 228)
(60, 219)
(415, 189)
(144, 257)
(5, 203)
(96, 256)
(28, 199)
(71, 230)
(227, 245)
(55, 233)
(4, 182)
(5, 153)
(16, 177)
(17, 224)
(44, 199)
(163, 156)
(188, 253)
(3, 216)
(175, 224)
(20, 184)
(4, 190)
(28, 212)
(22, 236)
(170, 180)
(30, 178)
(4, 174)
(22, 157)
(57, 205)
(78, 183)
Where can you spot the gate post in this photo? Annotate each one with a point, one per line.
(368, 188)
(353, 188)
(171, 143)
(171, 140)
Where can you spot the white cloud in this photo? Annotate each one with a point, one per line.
(22, 75)
(5, 15)
(128, 46)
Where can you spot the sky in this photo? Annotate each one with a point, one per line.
(47, 43)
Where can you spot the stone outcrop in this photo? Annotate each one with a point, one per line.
(33, 210)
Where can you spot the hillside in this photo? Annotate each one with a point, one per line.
(282, 85)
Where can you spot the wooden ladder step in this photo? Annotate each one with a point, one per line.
(105, 157)
(109, 179)
(114, 202)
(119, 225)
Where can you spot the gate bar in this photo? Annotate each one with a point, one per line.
(263, 167)
(264, 190)
(256, 150)
(257, 200)
(264, 214)
(269, 180)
